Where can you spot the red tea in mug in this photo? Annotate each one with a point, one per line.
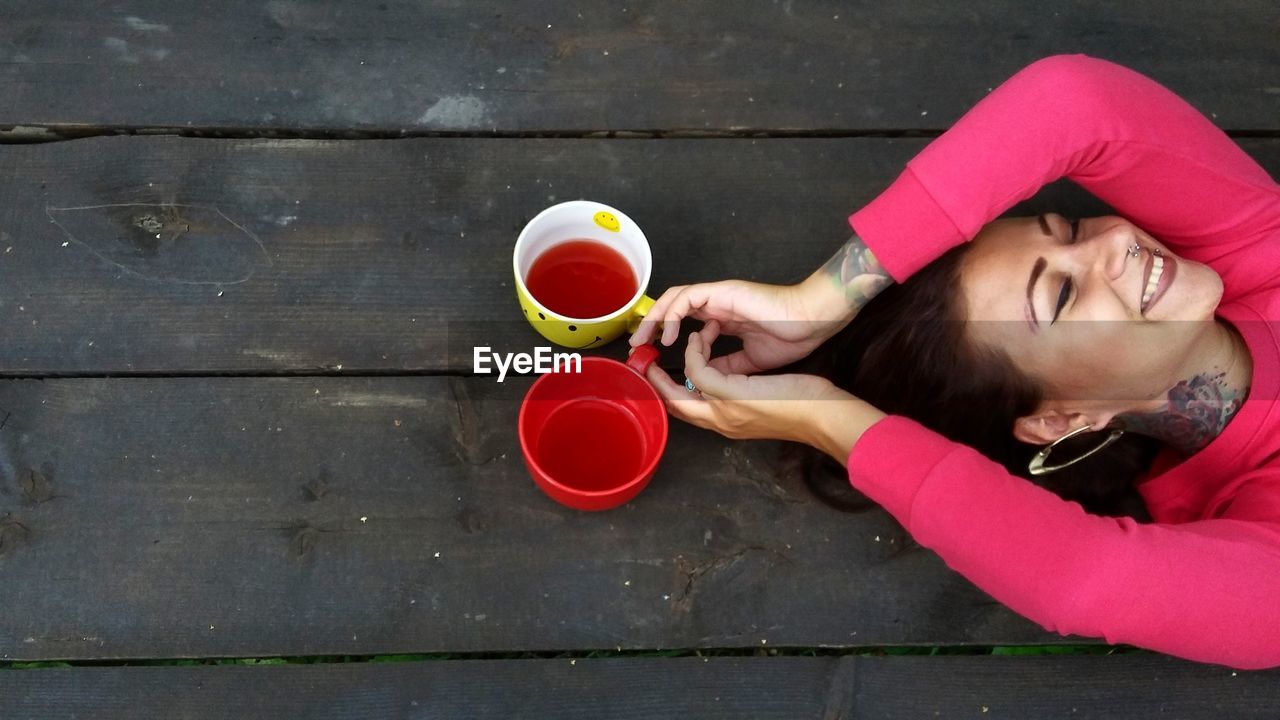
(591, 445)
(592, 440)
(581, 279)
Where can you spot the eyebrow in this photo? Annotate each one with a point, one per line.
(1036, 269)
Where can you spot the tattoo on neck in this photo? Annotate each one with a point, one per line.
(1196, 412)
(855, 270)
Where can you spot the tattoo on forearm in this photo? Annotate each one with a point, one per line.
(1196, 412)
(855, 270)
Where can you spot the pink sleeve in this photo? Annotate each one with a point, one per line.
(1120, 135)
(1204, 591)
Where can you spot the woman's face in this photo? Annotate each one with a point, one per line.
(1074, 307)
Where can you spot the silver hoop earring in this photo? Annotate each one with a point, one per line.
(1037, 466)
(1134, 250)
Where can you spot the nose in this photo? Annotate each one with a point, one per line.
(1107, 247)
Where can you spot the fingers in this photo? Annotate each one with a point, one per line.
(679, 401)
(649, 324)
(689, 300)
(696, 355)
(677, 310)
(735, 364)
(709, 332)
(675, 305)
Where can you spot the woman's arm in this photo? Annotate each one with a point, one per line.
(1120, 135)
(844, 285)
(1204, 591)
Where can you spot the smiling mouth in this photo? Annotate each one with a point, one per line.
(584, 347)
(1160, 271)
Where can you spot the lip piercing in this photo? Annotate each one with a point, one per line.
(1134, 250)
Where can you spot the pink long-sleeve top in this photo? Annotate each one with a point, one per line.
(1202, 581)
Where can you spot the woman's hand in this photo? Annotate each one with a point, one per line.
(777, 323)
(799, 408)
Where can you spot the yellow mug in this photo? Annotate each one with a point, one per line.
(583, 220)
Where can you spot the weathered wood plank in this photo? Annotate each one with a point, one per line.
(1135, 686)
(257, 517)
(372, 256)
(399, 66)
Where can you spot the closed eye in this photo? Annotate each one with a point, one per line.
(1063, 295)
(1039, 266)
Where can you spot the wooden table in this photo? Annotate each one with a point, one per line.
(242, 283)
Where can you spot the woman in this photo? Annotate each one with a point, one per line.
(1156, 324)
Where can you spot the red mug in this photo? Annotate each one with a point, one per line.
(592, 439)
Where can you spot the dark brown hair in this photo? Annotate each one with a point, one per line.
(907, 353)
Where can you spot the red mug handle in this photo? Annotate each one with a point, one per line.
(642, 357)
